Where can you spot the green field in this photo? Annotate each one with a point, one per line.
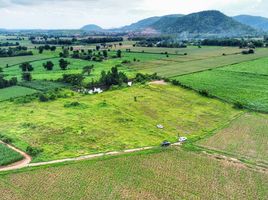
(196, 62)
(14, 92)
(11, 61)
(158, 174)
(43, 85)
(8, 156)
(76, 66)
(233, 84)
(112, 120)
(246, 137)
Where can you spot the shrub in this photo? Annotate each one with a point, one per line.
(204, 93)
(239, 105)
(43, 98)
(33, 151)
(5, 139)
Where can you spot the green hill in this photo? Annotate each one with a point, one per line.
(256, 22)
(206, 22)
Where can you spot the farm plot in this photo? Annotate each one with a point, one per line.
(195, 63)
(246, 137)
(14, 92)
(180, 174)
(76, 66)
(11, 61)
(8, 156)
(114, 120)
(247, 89)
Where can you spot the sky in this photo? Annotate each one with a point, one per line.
(73, 14)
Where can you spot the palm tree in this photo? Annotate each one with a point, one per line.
(88, 69)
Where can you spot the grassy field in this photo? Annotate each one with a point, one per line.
(233, 84)
(246, 137)
(14, 92)
(76, 66)
(158, 174)
(190, 63)
(8, 156)
(43, 85)
(11, 61)
(112, 120)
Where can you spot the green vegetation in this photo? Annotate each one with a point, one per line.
(236, 84)
(246, 137)
(8, 156)
(114, 120)
(14, 92)
(157, 174)
(197, 60)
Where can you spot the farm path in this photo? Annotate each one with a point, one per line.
(27, 159)
(17, 165)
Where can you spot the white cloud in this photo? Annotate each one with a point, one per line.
(110, 13)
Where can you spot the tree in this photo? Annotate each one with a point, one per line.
(119, 53)
(105, 53)
(64, 53)
(26, 76)
(73, 79)
(88, 69)
(48, 65)
(26, 67)
(63, 64)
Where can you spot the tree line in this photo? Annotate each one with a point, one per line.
(17, 51)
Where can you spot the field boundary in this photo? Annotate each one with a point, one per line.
(26, 162)
(222, 66)
(33, 61)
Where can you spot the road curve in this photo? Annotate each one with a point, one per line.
(17, 165)
(27, 159)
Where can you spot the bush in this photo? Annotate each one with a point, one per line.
(204, 93)
(43, 98)
(5, 139)
(239, 105)
(33, 151)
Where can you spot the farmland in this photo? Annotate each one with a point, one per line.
(14, 92)
(51, 119)
(8, 156)
(246, 137)
(112, 120)
(197, 60)
(156, 174)
(235, 86)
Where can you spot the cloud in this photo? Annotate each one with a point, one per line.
(110, 13)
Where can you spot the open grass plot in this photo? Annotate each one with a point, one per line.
(258, 67)
(113, 120)
(11, 61)
(246, 137)
(194, 63)
(247, 89)
(14, 92)
(8, 156)
(76, 66)
(159, 174)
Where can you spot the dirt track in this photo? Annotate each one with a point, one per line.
(27, 159)
(17, 165)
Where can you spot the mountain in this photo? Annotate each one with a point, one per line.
(196, 24)
(260, 23)
(92, 28)
(205, 22)
(147, 23)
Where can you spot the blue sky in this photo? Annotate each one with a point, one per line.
(53, 14)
